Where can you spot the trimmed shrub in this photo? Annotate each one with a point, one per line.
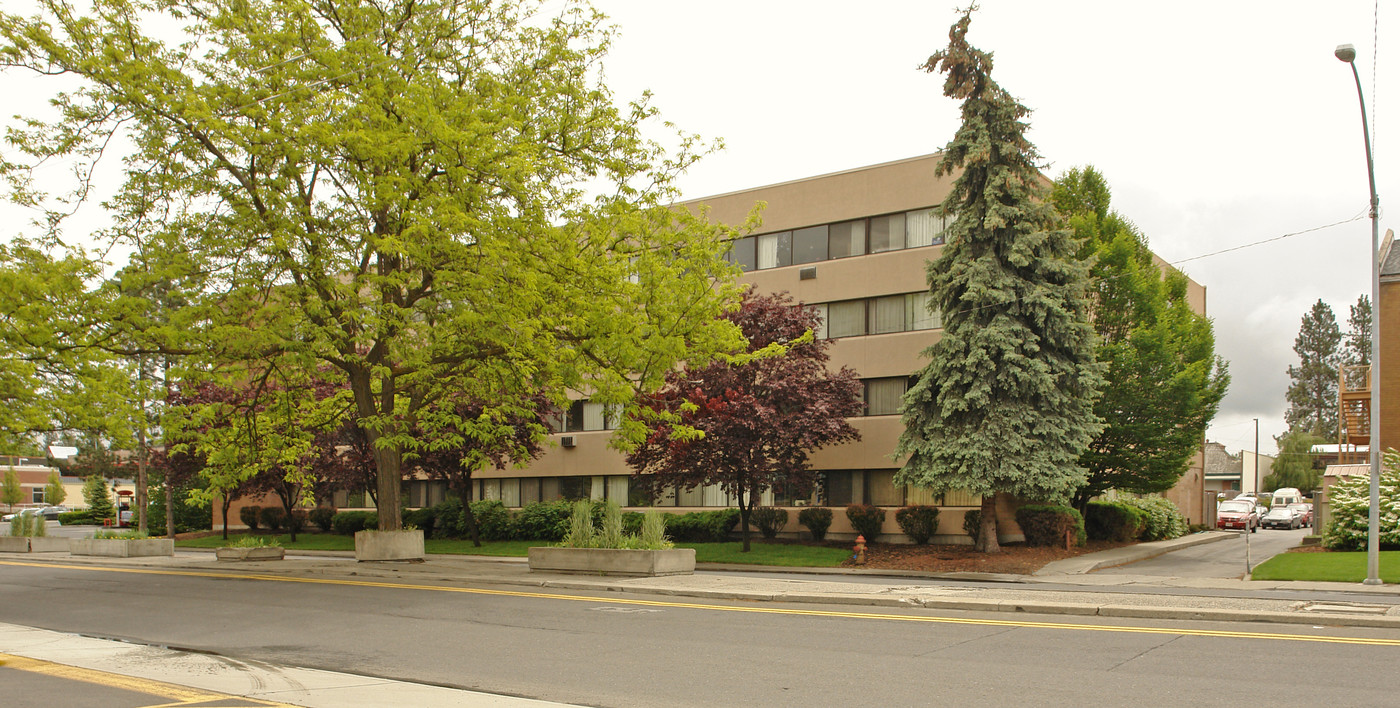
(972, 524)
(492, 520)
(702, 526)
(322, 517)
(1046, 525)
(769, 520)
(448, 521)
(918, 522)
(1162, 519)
(866, 520)
(76, 518)
(1113, 521)
(632, 522)
(273, 518)
(347, 523)
(250, 516)
(817, 520)
(421, 519)
(545, 521)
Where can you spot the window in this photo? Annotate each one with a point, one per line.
(887, 233)
(887, 314)
(616, 489)
(775, 250)
(586, 416)
(510, 492)
(530, 490)
(821, 326)
(575, 488)
(843, 488)
(880, 489)
(845, 319)
(744, 254)
(847, 239)
(809, 245)
(885, 396)
(38, 495)
(919, 315)
(924, 227)
(638, 494)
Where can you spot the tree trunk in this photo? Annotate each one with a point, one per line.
(389, 480)
(141, 454)
(744, 510)
(987, 537)
(170, 509)
(228, 501)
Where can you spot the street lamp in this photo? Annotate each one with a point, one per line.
(1347, 53)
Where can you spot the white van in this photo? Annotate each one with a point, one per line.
(1287, 495)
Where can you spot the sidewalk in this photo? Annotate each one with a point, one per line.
(1078, 592)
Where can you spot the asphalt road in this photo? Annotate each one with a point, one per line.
(620, 650)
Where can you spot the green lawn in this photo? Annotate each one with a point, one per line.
(785, 554)
(1349, 567)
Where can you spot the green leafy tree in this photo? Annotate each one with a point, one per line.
(1356, 350)
(1005, 403)
(1164, 381)
(1312, 395)
(54, 493)
(10, 491)
(1296, 465)
(98, 498)
(430, 197)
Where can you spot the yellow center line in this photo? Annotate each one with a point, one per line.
(1184, 632)
(181, 695)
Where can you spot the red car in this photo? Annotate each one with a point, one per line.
(1236, 514)
(1305, 512)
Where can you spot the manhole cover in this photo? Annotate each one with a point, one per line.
(1345, 608)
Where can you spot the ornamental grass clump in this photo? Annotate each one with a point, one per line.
(247, 541)
(119, 535)
(28, 525)
(583, 534)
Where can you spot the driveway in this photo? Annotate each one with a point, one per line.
(1224, 559)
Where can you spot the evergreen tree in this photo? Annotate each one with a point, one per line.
(98, 499)
(1312, 397)
(1005, 403)
(1164, 381)
(1357, 350)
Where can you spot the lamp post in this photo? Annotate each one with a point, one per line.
(1347, 53)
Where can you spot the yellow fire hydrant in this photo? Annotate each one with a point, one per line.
(860, 550)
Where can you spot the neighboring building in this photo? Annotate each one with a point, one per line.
(33, 474)
(1386, 314)
(854, 244)
(1234, 474)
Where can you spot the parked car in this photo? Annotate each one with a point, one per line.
(1237, 514)
(21, 512)
(1305, 513)
(1282, 517)
(51, 512)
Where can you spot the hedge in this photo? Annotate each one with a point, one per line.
(1114, 521)
(347, 523)
(1046, 525)
(702, 526)
(1163, 519)
(769, 520)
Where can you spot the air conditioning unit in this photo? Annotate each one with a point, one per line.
(566, 441)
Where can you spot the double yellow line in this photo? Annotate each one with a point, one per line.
(171, 694)
(1181, 632)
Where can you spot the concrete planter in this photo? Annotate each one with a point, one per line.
(122, 547)
(389, 545)
(33, 544)
(265, 553)
(614, 561)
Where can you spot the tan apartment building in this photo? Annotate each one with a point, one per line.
(854, 244)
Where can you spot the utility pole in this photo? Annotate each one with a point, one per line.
(1256, 455)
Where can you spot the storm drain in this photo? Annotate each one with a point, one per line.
(1344, 608)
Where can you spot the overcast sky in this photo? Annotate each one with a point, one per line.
(1217, 124)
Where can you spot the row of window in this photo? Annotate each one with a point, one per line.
(878, 315)
(877, 234)
(838, 488)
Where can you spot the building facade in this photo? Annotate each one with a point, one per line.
(855, 245)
